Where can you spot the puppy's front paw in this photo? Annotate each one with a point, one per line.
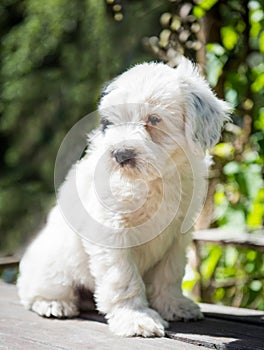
(179, 308)
(143, 322)
(59, 309)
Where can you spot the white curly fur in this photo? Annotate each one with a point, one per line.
(135, 265)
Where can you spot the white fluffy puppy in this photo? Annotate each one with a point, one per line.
(126, 210)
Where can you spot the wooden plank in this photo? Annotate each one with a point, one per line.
(241, 239)
(232, 313)
(224, 327)
(9, 261)
(219, 334)
(21, 329)
(9, 342)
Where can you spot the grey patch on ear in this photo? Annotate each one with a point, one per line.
(205, 113)
(209, 116)
(104, 91)
(105, 123)
(201, 108)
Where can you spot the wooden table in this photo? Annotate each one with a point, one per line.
(223, 328)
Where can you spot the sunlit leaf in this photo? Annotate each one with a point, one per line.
(255, 29)
(219, 198)
(207, 4)
(251, 255)
(252, 175)
(208, 265)
(259, 123)
(256, 214)
(257, 15)
(215, 67)
(229, 37)
(255, 286)
(188, 285)
(231, 255)
(231, 168)
(232, 96)
(261, 42)
(216, 48)
(235, 218)
(198, 11)
(258, 83)
(219, 294)
(223, 150)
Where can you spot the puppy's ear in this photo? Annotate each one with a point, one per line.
(205, 114)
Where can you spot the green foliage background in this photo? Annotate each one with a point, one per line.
(236, 62)
(55, 55)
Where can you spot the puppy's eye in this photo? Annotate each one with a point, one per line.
(105, 123)
(153, 119)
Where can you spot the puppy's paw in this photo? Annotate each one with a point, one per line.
(179, 308)
(143, 322)
(59, 309)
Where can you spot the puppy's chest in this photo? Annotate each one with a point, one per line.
(149, 204)
(150, 253)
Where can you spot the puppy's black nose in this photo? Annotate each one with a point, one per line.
(125, 156)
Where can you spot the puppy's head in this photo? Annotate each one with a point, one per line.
(152, 110)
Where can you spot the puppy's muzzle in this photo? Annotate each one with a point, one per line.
(125, 156)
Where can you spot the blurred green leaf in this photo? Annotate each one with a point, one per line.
(255, 286)
(231, 255)
(198, 11)
(259, 123)
(209, 264)
(229, 37)
(258, 84)
(261, 42)
(207, 4)
(216, 59)
(256, 214)
(231, 168)
(223, 150)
